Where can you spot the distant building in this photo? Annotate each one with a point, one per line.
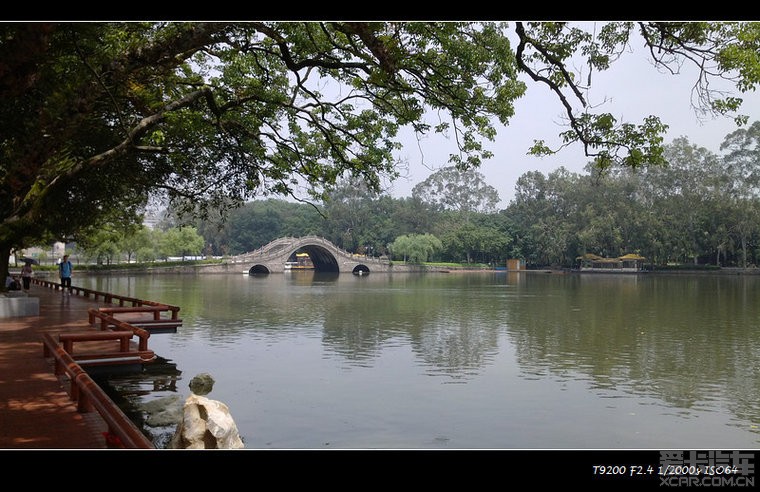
(59, 249)
(626, 263)
(150, 220)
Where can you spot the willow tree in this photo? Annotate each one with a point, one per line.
(96, 117)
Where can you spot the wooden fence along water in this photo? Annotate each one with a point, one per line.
(108, 341)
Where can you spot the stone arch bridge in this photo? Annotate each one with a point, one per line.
(325, 256)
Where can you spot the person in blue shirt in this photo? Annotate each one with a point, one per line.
(65, 269)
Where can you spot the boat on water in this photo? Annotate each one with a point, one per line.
(302, 262)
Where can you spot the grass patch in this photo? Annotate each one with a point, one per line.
(471, 266)
(684, 267)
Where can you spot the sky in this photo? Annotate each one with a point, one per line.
(631, 90)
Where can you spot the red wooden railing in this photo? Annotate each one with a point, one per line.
(89, 395)
(108, 297)
(68, 362)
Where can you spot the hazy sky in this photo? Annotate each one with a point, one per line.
(632, 88)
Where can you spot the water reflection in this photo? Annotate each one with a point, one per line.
(446, 330)
(132, 391)
(687, 341)
(584, 348)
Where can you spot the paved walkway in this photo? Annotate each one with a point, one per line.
(35, 409)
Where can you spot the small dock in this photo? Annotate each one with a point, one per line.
(82, 331)
(116, 335)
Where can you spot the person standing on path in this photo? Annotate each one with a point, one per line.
(26, 274)
(65, 269)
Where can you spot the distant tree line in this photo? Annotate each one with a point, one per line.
(699, 208)
(139, 244)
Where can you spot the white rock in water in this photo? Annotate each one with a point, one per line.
(206, 424)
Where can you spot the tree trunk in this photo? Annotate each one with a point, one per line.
(5, 254)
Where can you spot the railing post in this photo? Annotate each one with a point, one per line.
(143, 336)
(83, 403)
(124, 344)
(75, 393)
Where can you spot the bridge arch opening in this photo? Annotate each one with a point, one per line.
(360, 270)
(258, 270)
(321, 258)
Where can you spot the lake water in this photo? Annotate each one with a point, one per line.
(461, 361)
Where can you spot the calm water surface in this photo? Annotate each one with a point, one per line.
(461, 361)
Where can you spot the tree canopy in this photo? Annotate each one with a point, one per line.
(98, 116)
(463, 191)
